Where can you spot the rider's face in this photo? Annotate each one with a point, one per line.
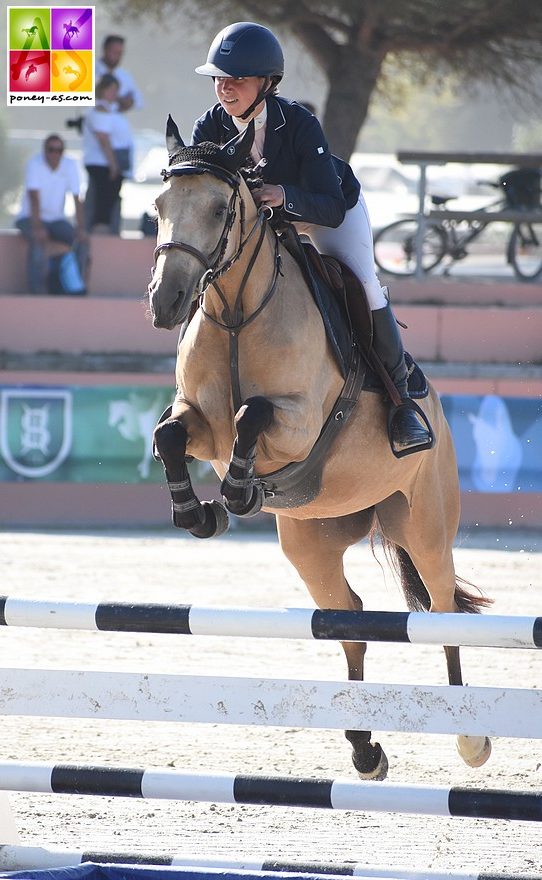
(236, 94)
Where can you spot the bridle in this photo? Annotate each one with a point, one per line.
(211, 262)
(233, 318)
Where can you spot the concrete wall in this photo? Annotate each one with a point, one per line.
(473, 335)
(120, 267)
(483, 335)
(83, 505)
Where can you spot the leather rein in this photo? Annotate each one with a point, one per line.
(233, 318)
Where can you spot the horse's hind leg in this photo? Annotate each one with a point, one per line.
(242, 496)
(428, 578)
(203, 520)
(316, 549)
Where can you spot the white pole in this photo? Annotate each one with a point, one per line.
(8, 829)
(329, 705)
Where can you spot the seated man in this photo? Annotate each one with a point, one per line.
(49, 177)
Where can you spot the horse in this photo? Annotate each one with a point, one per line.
(257, 385)
(71, 29)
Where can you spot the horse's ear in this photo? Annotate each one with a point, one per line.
(238, 149)
(174, 141)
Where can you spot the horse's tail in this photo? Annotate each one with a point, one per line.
(415, 591)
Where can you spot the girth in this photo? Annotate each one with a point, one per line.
(299, 483)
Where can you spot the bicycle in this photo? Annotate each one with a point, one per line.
(395, 244)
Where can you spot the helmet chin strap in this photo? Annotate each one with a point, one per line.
(266, 89)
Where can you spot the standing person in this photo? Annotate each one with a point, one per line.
(112, 53)
(107, 154)
(49, 177)
(317, 192)
(129, 98)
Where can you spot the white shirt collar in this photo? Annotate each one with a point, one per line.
(259, 120)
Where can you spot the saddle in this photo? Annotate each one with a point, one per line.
(347, 318)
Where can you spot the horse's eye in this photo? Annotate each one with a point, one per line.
(219, 213)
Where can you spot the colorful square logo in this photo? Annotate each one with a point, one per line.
(50, 55)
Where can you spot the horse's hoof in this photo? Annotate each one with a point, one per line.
(216, 521)
(475, 750)
(374, 765)
(240, 508)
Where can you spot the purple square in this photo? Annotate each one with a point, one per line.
(71, 27)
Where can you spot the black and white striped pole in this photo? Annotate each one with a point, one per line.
(282, 791)
(19, 858)
(416, 627)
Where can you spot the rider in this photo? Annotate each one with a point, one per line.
(317, 192)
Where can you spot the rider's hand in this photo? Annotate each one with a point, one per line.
(269, 194)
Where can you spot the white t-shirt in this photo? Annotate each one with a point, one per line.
(52, 185)
(126, 82)
(109, 122)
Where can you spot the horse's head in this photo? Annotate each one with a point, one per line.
(197, 210)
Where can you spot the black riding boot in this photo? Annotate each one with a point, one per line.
(406, 431)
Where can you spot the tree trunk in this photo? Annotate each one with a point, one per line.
(351, 84)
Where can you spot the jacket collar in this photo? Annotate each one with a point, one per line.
(275, 121)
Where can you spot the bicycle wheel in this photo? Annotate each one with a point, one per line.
(525, 250)
(395, 247)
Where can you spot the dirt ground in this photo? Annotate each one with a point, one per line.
(249, 569)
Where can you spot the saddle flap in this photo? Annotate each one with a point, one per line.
(328, 297)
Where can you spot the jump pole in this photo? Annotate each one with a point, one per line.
(280, 791)
(8, 830)
(17, 858)
(416, 627)
(331, 705)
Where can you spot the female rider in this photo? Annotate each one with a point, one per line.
(317, 192)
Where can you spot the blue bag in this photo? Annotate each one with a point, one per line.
(64, 276)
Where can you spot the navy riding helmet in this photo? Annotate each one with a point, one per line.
(244, 49)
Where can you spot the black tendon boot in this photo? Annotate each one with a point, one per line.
(406, 431)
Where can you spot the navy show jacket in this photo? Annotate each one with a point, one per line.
(318, 187)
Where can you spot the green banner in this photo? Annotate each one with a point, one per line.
(83, 434)
(103, 434)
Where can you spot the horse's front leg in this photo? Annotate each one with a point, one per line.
(242, 496)
(203, 520)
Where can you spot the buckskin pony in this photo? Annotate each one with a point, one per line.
(259, 395)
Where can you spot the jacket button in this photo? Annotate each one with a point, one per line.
(290, 204)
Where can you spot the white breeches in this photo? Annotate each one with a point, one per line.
(352, 243)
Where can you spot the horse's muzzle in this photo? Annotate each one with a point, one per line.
(168, 315)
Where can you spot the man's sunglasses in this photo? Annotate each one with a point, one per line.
(55, 149)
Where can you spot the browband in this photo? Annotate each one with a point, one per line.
(201, 168)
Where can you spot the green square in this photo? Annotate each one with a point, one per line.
(29, 28)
